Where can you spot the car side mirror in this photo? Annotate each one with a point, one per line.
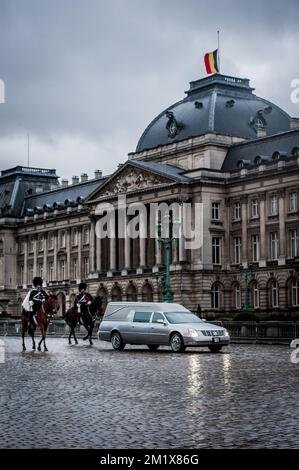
(161, 321)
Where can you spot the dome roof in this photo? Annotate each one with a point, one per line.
(220, 104)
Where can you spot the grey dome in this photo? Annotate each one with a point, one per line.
(219, 104)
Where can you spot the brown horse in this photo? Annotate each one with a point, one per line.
(44, 315)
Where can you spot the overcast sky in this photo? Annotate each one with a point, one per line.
(85, 77)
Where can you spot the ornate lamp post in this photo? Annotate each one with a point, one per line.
(164, 282)
(246, 274)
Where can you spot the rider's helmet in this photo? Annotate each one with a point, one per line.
(82, 286)
(37, 281)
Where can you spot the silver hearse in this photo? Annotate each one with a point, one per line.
(158, 324)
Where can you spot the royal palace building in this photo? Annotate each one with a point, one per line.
(221, 146)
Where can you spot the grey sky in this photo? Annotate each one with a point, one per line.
(85, 77)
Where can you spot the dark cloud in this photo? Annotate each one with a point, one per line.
(85, 77)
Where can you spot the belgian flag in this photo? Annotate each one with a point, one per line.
(211, 62)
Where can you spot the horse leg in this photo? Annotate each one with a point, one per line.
(74, 335)
(31, 332)
(70, 335)
(23, 337)
(90, 334)
(45, 347)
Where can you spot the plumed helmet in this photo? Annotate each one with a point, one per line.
(37, 281)
(82, 286)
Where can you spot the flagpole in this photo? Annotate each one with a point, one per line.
(218, 49)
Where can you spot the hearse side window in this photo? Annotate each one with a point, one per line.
(157, 316)
(142, 317)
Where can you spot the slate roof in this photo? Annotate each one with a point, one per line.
(63, 196)
(217, 104)
(165, 169)
(284, 143)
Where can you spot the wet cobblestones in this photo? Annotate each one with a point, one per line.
(94, 397)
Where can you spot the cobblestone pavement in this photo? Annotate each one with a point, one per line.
(94, 397)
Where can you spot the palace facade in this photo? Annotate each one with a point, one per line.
(221, 146)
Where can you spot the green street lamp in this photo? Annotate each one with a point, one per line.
(246, 274)
(164, 282)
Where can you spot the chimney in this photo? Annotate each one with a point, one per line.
(64, 183)
(84, 177)
(98, 174)
(75, 179)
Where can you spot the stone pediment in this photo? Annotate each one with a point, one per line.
(130, 179)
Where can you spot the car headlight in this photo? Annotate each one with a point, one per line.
(192, 333)
(225, 333)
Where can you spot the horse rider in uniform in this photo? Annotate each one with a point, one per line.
(36, 298)
(83, 300)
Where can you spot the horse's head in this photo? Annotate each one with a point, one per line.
(53, 304)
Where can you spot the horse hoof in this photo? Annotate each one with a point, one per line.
(24, 349)
(70, 342)
(91, 343)
(76, 342)
(45, 349)
(39, 349)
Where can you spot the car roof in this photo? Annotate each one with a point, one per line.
(159, 306)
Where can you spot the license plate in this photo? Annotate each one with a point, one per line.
(216, 340)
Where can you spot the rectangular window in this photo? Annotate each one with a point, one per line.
(274, 245)
(75, 237)
(62, 239)
(293, 201)
(256, 296)
(215, 210)
(51, 241)
(62, 270)
(22, 274)
(30, 274)
(216, 250)
(31, 244)
(142, 317)
(255, 248)
(51, 271)
(237, 211)
(75, 268)
(294, 240)
(86, 235)
(274, 205)
(40, 270)
(237, 250)
(254, 208)
(22, 246)
(85, 267)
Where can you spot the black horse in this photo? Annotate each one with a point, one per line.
(89, 317)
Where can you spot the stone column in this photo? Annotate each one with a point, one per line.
(142, 242)
(45, 258)
(80, 253)
(26, 262)
(55, 273)
(98, 254)
(68, 274)
(35, 256)
(263, 241)
(112, 242)
(92, 247)
(244, 209)
(127, 242)
(158, 249)
(182, 249)
(282, 229)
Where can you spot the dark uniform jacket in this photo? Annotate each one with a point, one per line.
(82, 301)
(37, 297)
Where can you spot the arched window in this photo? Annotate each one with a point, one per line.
(103, 294)
(255, 295)
(147, 292)
(61, 301)
(116, 294)
(275, 156)
(295, 292)
(216, 296)
(295, 152)
(237, 300)
(274, 293)
(131, 293)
